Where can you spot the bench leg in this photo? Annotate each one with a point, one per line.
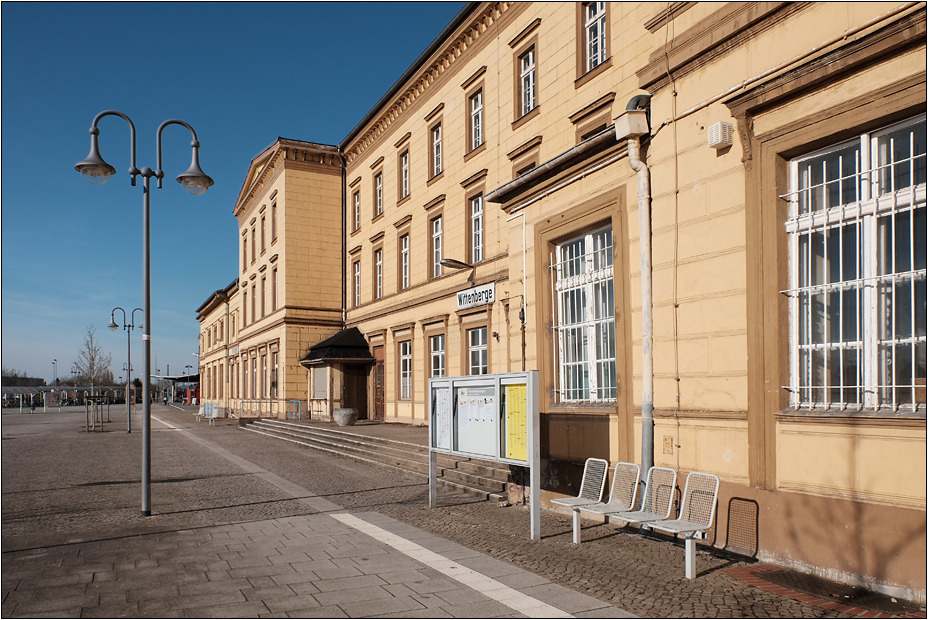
(576, 526)
(690, 553)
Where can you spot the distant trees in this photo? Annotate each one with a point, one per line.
(92, 364)
(17, 378)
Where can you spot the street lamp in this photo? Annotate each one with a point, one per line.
(453, 263)
(96, 171)
(55, 366)
(128, 327)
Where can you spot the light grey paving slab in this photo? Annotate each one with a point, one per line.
(376, 607)
(248, 609)
(349, 583)
(338, 597)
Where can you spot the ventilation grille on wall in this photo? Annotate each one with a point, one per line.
(721, 135)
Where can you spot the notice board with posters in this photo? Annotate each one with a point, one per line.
(491, 417)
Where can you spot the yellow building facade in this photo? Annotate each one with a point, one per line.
(737, 289)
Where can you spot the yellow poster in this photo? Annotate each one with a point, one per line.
(516, 423)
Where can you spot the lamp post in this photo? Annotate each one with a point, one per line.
(55, 366)
(96, 171)
(128, 327)
(453, 263)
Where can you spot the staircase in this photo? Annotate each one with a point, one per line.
(474, 477)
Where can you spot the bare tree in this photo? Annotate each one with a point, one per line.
(92, 364)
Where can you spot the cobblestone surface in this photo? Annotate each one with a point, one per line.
(62, 485)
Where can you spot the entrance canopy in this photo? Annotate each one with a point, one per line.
(346, 347)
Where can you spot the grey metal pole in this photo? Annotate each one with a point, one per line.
(146, 340)
(129, 380)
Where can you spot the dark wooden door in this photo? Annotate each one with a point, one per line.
(378, 383)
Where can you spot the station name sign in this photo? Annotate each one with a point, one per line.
(477, 296)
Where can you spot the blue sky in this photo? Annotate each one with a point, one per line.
(241, 74)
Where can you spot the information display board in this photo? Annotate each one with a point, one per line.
(492, 417)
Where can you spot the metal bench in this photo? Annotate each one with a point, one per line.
(658, 498)
(696, 515)
(208, 411)
(591, 488)
(622, 495)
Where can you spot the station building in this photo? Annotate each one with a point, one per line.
(739, 288)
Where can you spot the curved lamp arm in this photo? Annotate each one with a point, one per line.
(113, 325)
(194, 180)
(94, 168)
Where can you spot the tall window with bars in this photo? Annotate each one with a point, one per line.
(476, 229)
(406, 370)
(595, 29)
(582, 276)
(857, 245)
(527, 80)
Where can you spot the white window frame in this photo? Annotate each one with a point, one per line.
(404, 262)
(357, 210)
(378, 272)
(851, 272)
(437, 355)
(477, 358)
(378, 184)
(476, 119)
(436, 247)
(594, 28)
(476, 229)
(583, 280)
(405, 173)
(357, 283)
(406, 370)
(436, 150)
(527, 80)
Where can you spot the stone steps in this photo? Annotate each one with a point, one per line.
(474, 477)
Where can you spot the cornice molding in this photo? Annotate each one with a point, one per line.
(442, 62)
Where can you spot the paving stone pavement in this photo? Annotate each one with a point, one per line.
(246, 526)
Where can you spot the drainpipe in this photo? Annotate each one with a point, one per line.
(344, 167)
(631, 125)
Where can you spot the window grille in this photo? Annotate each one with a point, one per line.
(436, 150)
(476, 120)
(378, 183)
(582, 279)
(406, 370)
(378, 263)
(436, 247)
(476, 222)
(357, 283)
(437, 349)
(527, 62)
(404, 262)
(857, 246)
(595, 27)
(477, 350)
(405, 174)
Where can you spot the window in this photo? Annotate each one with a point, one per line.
(477, 351)
(264, 390)
(378, 274)
(254, 254)
(254, 297)
(436, 150)
(406, 370)
(244, 249)
(527, 80)
(437, 355)
(320, 382)
(274, 369)
(273, 221)
(857, 244)
(263, 296)
(585, 322)
(436, 247)
(378, 194)
(476, 119)
(594, 27)
(476, 229)
(244, 308)
(254, 377)
(274, 289)
(404, 174)
(356, 199)
(357, 283)
(404, 262)
(262, 234)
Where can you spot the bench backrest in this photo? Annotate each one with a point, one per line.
(660, 490)
(594, 479)
(624, 485)
(699, 498)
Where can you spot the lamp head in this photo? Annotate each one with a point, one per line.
(454, 263)
(94, 169)
(195, 181)
(113, 325)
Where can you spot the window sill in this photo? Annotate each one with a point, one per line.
(592, 73)
(475, 151)
(864, 417)
(435, 178)
(403, 199)
(526, 117)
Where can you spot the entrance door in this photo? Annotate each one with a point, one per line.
(355, 378)
(378, 383)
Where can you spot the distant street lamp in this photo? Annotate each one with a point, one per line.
(128, 367)
(453, 263)
(96, 171)
(55, 366)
